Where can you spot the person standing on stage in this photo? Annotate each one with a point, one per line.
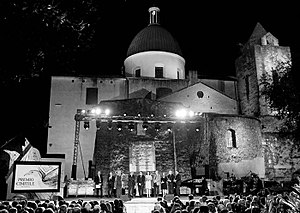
(204, 188)
(118, 184)
(171, 179)
(156, 183)
(141, 183)
(131, 184)
(98, 184)
(177, 183)
(164, 185)
(110, 184)
(148, 181)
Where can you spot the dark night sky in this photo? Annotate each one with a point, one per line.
(208, 34)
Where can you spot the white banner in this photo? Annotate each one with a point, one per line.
(36, 176)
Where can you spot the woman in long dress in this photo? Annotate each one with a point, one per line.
(164, 185)
(148, 183)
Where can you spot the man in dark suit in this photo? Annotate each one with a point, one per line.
(141, 183)
(171, 179)
(131, 184)
(177, 183)
(98, 184)
(110, 184)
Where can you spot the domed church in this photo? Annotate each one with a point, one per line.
(159, 116)
(154, 52)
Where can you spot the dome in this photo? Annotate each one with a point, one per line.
(154, 38)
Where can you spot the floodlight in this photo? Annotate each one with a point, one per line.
(145, 125)
(119, 126)
(97, 111)
(157, 126)
(109, 125)
(107, 111)
(131, 126)
(181, 113)
(86, 125)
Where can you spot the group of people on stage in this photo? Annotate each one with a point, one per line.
(137, 185)
(114, 184)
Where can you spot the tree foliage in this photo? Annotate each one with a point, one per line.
(283, 95)
(39, 38)
(42, 35)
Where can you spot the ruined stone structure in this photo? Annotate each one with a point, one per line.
(230, 132)
(260, 55)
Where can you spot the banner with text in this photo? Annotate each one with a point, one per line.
(36, 176)
(142, 156)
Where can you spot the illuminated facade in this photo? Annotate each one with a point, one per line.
(229, 137)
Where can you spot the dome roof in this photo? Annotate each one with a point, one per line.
(154, 38)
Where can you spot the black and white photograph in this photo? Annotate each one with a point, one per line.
(149, 106)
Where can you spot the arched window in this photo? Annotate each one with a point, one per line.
(231, 138)
(137, 72)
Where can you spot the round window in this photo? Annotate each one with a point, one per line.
(200, 94)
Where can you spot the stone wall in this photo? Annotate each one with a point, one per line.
(255, 61)
(201, 143)
(242, 157)
(112, 147)
(247, 83)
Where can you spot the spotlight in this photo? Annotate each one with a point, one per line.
(86, 125)
(191, 113)
(145, 125)
(131, 126)
(197, 129)
(98, 122)
(157, 126)
(109, 125)
(107, 112)
(119, 127)
(98, 111)
(181, 113)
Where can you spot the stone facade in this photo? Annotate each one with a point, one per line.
(235, 132)
(248, 92)
(200, 143)
(235, 144)
(261, 55)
